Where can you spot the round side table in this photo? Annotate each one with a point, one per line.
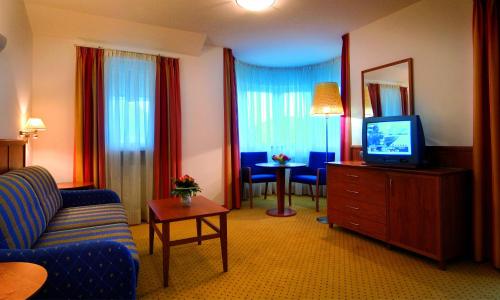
(20, 280)
(280, 210)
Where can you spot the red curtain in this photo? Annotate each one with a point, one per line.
(232, 193)
(486, 144)
(167, 154)
(374, 90)
(345, 120)
(404, 100)
(89, 152)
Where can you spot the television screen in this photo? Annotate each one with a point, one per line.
(389, 138)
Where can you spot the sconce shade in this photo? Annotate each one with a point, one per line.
(3, 42)
(327, 99)
(34, 124)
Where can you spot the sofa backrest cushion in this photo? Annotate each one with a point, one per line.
(21, 217)
(45, 188)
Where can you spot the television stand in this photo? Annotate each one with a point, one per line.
(421, 210)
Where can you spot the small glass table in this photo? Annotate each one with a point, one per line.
(280, 211)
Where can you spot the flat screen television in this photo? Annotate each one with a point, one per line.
(396, 141)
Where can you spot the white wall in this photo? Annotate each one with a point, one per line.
(201, 101)
(202, 94)
(15, 68)
(70, 24)
(437, 34)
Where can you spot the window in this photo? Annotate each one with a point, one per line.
(274, 107)
(129, 88)
(129, 97)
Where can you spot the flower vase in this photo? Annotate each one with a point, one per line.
(186, 200)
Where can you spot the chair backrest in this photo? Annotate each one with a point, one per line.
(317, 159)
(249, 159)
(22, 220)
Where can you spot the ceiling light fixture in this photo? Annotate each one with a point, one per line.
(255, 5)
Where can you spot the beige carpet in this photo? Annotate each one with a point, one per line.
(296, 257)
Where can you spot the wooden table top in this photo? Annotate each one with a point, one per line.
(20, 280)
(75, 185)
(171, 209)
(436, 171)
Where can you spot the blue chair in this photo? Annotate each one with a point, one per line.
(251, 174)
(314, 173)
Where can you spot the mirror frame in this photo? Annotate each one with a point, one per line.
(410, 83)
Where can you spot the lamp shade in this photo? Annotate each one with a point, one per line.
(3, 42)
(34, 124)
(327, 99)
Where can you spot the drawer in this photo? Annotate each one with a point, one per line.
(358, 191)
(361, 225)
(362, 209)
(370, 179)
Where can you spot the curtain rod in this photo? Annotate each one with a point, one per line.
(126, 51)
(292, 67)
(382, 82)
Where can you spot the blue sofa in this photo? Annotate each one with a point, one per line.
(80, 237)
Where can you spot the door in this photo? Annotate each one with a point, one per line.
(414, 212)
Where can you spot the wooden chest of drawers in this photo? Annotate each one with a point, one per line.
(358, 200)
(420, 210)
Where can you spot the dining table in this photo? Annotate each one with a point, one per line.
(280, 210)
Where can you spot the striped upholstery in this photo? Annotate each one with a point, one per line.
(87, 216)
(115, 232)
(45, 188)
(21, 217)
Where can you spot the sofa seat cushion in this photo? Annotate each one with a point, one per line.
(88, 216)
(21, 217)
(45, 188)
(115, 232)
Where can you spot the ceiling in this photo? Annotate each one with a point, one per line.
(293, 32)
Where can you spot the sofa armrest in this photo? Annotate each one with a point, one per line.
(87, 270)
(88, 197)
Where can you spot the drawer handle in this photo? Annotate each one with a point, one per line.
(353, 176)
(352, 207)
(352, 192)
(355, 224)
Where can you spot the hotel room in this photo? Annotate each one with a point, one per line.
(249, 149)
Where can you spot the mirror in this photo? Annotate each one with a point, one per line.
(388, 89)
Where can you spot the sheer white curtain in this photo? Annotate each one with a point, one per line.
(129, 82)
(390, 100)
(274, 107)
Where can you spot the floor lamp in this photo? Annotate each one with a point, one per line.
(326, 102)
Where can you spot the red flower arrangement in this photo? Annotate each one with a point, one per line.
(281, 158)
(185, 186)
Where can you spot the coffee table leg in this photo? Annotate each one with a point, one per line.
(223, 240)
(166, 251)
(198, 230)
(151, 231)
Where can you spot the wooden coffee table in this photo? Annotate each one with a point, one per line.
(166, 211)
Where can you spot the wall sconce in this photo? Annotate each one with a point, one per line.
(3, 42)
(32, 127)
